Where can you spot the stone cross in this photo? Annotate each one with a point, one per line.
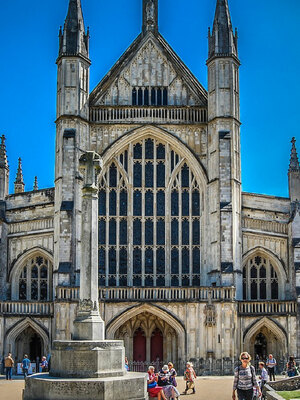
(88, 324)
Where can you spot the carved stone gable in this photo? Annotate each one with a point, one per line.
(149, 68)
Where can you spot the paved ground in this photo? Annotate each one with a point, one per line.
(207, 388)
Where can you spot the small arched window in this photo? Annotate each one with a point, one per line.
(260, 279)
(35, 280)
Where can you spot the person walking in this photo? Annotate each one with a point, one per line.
(8, 364)
(189, 377)
(245, 379)
(263, 375)
(25, 365)
(172, 373)
(271, 364)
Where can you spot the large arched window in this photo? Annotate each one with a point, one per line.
(260, 279)
(149, 218)
(35, 279)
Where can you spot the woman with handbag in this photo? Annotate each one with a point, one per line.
(153, 389)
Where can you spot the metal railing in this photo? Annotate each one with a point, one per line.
(166, 114)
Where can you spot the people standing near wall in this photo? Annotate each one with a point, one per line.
(126, 364)
(189, 377)
(271, 364)
(8, 363)
(245, 379)
(44, 364)
(25, 365)
(291, 367)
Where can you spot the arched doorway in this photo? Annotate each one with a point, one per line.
(260, 347)
(148, 339)
(266, 337)
(29, 342)
(157, 352)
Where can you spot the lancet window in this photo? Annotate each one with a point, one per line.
(149, 218)
(34, 280)
(260, 279)
(150, 96)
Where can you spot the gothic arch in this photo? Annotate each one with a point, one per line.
(276, 263)
(19, 265)
(171, 320)
(275, 328)
(163, 135)
(19, 327)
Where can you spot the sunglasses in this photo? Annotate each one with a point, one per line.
(245, 358)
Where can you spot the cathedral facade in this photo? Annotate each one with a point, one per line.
(190, 267)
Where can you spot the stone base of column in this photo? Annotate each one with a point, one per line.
(89, 327)
(87, 358)
(131, 386)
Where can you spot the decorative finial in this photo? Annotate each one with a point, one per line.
(294, 162)
(150, 15)
(35, 185)
(19, 182)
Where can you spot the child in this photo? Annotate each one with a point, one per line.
(263, 375)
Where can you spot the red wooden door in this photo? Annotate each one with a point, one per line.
(139, 345)
(157, 346)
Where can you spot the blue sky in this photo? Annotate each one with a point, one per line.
(269, 76)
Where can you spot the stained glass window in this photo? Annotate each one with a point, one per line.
(149, 218)
(260, 280)
(35, 280)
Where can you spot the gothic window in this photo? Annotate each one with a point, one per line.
(149, 226)
(154, 96)
(35, 280)
(260, 279)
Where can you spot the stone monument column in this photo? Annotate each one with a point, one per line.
(88, 324)
(88, 367)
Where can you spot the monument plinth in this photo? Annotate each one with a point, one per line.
(88, 367)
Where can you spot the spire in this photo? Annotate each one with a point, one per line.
(19, 182)
(3, 155)
(73, 40)
(35, 184)
(294, 162)
(150, 15)
(222, 40)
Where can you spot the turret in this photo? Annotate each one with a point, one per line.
(294, 174)
(224, 151)
(4, 170)
(19, 182)
(73, 64)
(72, 136)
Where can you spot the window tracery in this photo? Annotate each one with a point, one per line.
(260, 279)
(34, 280)
(149, 218)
